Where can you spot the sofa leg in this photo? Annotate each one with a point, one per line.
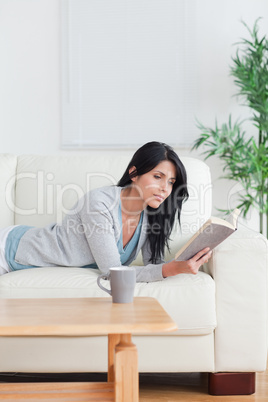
(231, 383)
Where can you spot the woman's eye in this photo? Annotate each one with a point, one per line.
(157, 177)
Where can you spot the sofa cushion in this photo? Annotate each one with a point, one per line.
(8, 170)
(189, 299)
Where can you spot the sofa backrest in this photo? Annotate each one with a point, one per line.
(38, 190)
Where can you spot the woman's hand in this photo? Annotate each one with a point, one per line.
(191, 266)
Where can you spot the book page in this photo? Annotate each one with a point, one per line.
(212, 235)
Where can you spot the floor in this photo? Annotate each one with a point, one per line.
(190, 387)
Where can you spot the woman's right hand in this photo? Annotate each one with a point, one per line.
(190, 266)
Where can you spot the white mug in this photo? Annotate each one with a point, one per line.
(122, 282)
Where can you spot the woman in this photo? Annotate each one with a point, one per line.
(110, 225)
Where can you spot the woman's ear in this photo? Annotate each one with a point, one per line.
(131, 170)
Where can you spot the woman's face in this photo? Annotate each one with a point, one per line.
(156, 185)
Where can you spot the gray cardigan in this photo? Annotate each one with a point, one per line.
(88, 234)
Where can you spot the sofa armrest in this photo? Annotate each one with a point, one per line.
(239, 267)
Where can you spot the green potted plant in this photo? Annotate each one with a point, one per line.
(245, 158)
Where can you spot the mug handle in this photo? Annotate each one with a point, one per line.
(104, 276)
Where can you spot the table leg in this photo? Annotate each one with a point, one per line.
(113, 340)
(126, 370)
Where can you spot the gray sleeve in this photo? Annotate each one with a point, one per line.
(149, 272)
(102, 242)
(100, 234)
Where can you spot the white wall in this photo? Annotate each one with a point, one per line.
(30, 74)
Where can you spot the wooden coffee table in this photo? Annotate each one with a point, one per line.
(85, 317)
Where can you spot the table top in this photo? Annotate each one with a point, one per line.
(82, 317)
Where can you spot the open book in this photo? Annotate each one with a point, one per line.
(212, 233)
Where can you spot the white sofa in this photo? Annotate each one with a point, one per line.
(221, 312)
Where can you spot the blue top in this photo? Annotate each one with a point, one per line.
(125, 252)
(16, 234)
(11, 247)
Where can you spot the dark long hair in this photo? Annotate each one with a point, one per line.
(160, 220)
